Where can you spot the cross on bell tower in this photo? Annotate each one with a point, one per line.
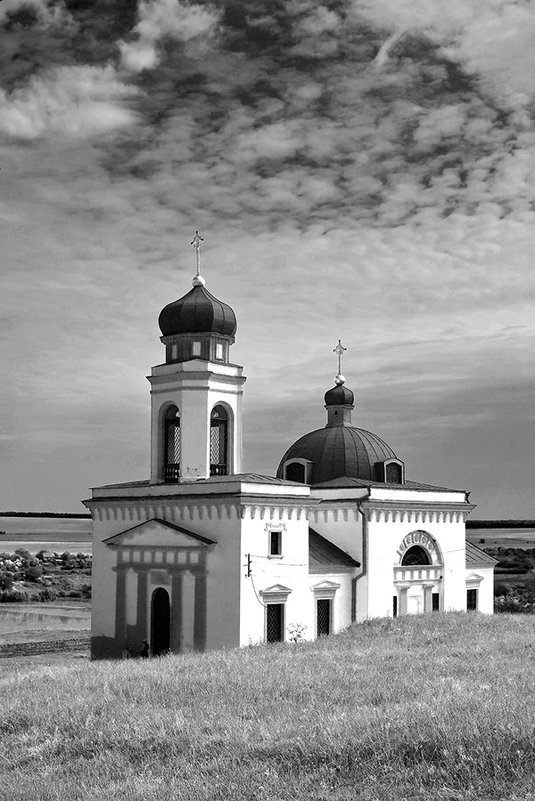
(339, 350)
(196, 242)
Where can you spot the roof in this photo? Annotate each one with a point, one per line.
(337, 451)
(500, 524)
(347, 482)
(248, 478)
(197, 312)
(166, 524)
(475, 557)
(324, 556)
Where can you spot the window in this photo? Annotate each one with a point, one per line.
(393, 473)
(296, 472)
(416, 556)
(172, 445)
(219, 441)
(471, 600)
(275, 543)
(219, 350)
(323, 616)
(275, 622)
(174, 352)
(195, 348)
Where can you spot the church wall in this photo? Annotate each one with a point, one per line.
(290, 571)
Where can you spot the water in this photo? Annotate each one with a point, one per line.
(34, 546)
(49, 617)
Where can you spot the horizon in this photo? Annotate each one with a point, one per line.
(358, 172)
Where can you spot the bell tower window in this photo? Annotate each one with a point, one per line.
(172, 445)
(219, 441)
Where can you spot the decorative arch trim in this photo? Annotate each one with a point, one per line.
(423, 540)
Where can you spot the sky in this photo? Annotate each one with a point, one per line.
(361, 170)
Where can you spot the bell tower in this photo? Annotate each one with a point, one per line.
(196, 395)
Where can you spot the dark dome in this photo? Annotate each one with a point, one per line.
(197, 312)
(339, 396)
(339, 452)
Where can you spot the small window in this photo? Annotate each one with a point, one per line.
(394, 473)
(323, 616)
(471, 600)
(195, 348)
(174, 352)
(219, 350)
(275, 543)
(296, 471)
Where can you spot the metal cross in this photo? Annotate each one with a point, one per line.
(339, 349)
(196, 242)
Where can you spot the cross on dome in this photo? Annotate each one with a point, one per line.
(339, 350)
(196, 242)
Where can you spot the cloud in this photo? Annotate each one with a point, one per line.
(159, 19)
(45, 12)
(72, 101)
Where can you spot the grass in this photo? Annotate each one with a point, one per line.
(434, 707)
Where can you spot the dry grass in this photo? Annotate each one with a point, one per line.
(435, 707)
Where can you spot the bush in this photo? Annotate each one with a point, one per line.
(33, 573)
(13, 596)
(48, 594)
(6, 580)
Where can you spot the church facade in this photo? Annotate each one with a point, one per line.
(203, 556)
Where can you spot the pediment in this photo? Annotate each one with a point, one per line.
(326, 585)
(474, 577)
(157, 534)
(276, 589)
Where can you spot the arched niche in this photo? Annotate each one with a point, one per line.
(220, 440)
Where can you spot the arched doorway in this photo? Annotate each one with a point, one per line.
(160, 630)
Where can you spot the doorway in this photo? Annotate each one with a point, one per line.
(160, 630)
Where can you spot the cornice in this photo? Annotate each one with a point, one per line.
(415, 511)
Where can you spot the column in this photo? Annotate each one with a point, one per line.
(199, 614)
(120, 605)
(176, 614)
(141, 612)
(403, 600)
(428, 599)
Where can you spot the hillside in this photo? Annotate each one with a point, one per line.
(435, 707)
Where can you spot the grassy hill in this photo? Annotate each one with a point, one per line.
(434, 707)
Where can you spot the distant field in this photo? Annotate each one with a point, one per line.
(427, 708)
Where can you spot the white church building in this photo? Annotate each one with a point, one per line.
(202, 556)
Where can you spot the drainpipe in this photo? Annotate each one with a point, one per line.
(364, 562)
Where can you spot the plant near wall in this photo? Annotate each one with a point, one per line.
(296, 632)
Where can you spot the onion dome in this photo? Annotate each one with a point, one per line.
(339, 396)
(197, 312)
(339, 452)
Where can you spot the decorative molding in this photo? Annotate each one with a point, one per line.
(414, 512)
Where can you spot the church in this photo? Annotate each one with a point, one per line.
(202, 556)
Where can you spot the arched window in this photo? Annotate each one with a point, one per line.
(171, 458)
(296, 471)
(219, 441)
(394, 473)
(416, 556)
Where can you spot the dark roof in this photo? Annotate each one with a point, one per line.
(475, 557)
(347, 482)
(500, 524)
(338, 451)
(250, 478)
(324, 554)
(339, 396)
(197, 312)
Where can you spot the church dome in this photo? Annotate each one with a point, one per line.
(339, 451)
(197, 312)
(339, 396)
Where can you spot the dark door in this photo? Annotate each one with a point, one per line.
(160, 619)
(394, 606)
(275, 622)
(471, 600)
(323, 616)
(435, 599)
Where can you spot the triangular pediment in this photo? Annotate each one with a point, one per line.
(326, 585)
(157, 534)
(474, 577)
(276, 589)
